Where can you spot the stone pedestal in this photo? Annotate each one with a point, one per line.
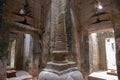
(60, 71)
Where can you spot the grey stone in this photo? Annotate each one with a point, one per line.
(60, 71)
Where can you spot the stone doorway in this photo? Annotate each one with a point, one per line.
(98, 50)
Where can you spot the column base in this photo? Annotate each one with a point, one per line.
(60, 71)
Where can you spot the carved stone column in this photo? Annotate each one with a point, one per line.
(59, 68)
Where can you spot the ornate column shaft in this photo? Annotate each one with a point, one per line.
(59, 68)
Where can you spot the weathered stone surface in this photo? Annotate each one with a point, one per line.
(2, 71)
(60, 68)
(82, 12)
(60, 71)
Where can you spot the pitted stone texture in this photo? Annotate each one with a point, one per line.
(75, 75)
(69, 72)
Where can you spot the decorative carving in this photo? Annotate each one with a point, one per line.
(25, 12)
(61, 71)
(60, 68)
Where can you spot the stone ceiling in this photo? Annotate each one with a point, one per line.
(84, 12)
(86, 15)
(35, 17)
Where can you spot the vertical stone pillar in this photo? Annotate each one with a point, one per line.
(28, 52)
(36, 55)
(19, 52)
(115, 10)
(1, 11)
(85, 52)
(93, 52)
(2, 71)
(59, 68)
(117, 40)
(3, 38)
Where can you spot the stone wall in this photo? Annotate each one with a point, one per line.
(116, 24)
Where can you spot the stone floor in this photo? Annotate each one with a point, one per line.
(21, 75)
(102, 75)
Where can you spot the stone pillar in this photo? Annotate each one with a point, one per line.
(28, 52)
(1, 11)
(85, 52)
(93, 52)
(37, 59)
(3, 40)
(115, 10)
(117, 40)
(19, 52)
(2, 71)
(59, 68)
